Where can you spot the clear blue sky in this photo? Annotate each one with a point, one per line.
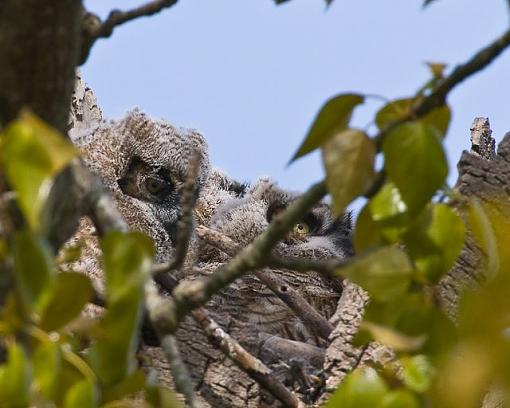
(251, 76)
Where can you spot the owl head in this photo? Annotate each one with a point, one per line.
(144, 163)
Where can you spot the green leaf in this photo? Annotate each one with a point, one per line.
(71, 293)
(34, 271)
(387, 203)
(417, 373)
(384, 273)
(47, 361)
(32, 153)
(399, 399)
(367, 234)
(127, 264)
(393, 112)
(416, 318)
(435, 244)
(349, 161)
(130, 385)
(161, 397)
(400, 109)
(416, 162)
(361, 388)
(15, 378)
(83, 394)
(389, 212)
(392, 338)
(333, 117)
(484, 235)
(439, 118)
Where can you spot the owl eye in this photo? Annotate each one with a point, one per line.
(155, 185)
(301, 228)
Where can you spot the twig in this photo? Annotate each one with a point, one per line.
(310, 317)
(93, 28)
(185, 224)
(476, 63)
(180, 372)
(325, 267)
(190, 295)
(155, 304)
(252, 366)
(463, 71)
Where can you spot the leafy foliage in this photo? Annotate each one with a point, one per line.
(48, 359)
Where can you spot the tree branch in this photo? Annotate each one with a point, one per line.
(93, 28)
(476, 63)
(252, 366)
(180, 372)
(190, 295)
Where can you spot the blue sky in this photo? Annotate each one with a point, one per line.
(251, 76)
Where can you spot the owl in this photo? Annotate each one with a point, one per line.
(247, 309)
(143, 163)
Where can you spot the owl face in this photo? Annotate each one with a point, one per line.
(144, 163)
(317, 235)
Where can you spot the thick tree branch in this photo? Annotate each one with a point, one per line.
(93, 28)
(252, 366)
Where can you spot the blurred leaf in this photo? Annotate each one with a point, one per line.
(127, 264)
(161, 397)
(15, 378)
(130, 385)
(394, 111)
(389, 212)
(47, 362)
(417, 373)
(435, 243)
(439, 118)
(367, 233)
(349, 162)
(387, 203)
(400, 109)
(384, 273)
(419, 316)
(83, 395)
(399, 399)
(483, 233)
(415, 161)
(392, 338)
(333, 117)
(71, 293)
(34, 272)
(32, 153)
(464, 378)
(69, 254)
(361, 388)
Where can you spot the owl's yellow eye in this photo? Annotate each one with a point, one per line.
(154, 185)
(301, 228)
